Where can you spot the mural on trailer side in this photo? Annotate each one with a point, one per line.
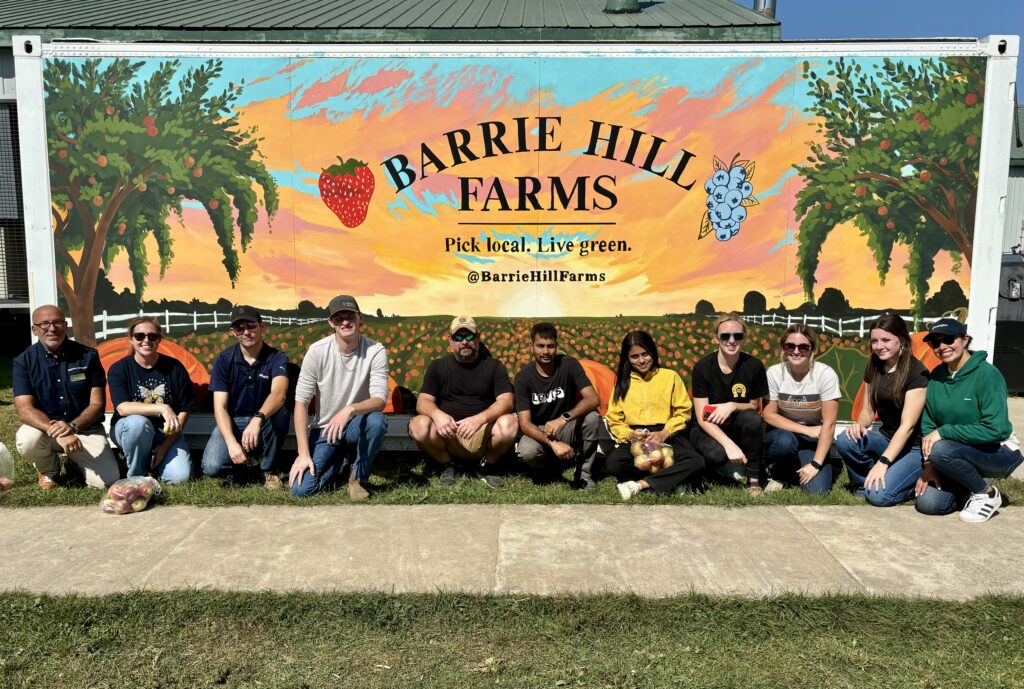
(603, 192)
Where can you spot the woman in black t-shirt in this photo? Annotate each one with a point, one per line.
(728, 386)
(153, 397)
(884, 465)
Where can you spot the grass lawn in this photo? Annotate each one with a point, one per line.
(206, 639)
(400, 480)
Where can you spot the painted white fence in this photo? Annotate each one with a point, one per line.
(836, 326)
(108, 325)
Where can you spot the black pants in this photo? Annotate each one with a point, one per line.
(746, 429)
(688, 464)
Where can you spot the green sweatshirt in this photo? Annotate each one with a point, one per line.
(969, 407)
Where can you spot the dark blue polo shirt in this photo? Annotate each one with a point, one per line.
(247, 386)
(61, 384)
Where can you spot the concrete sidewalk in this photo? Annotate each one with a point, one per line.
(647, 550)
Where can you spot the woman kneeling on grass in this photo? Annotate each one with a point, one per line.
(649, 403)
(801, 413)
(152, 396)
(968, 438)
(885, 465)
(728, 386)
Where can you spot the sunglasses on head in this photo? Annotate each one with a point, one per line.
(934, 341)
(242, 326)
(794, 347)
(139, 337)
(463, 337)
(735, 337)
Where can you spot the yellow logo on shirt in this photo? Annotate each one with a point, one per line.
(739, 390)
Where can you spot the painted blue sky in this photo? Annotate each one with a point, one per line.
(818, 19)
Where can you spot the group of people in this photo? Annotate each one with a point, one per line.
(942, 435)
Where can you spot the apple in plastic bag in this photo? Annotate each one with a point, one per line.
(139, 505)
(642, 462)
(5, 483)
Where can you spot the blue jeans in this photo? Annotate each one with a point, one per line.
(365, 433)
(136, 437)
(860, 456)
(787, 452)
(217, 461)
(962, 470)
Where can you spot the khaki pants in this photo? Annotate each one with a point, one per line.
(95, 458)
(473, 447)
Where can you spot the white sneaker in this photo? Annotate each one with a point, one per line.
(981, 506)
(774, 486)
(627, 489)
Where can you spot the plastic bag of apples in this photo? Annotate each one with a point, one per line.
(130, 495)
(651, 456)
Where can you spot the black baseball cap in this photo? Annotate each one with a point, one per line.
(342, 302)
(946, 326)
(245, 313)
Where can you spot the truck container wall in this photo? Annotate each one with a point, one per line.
(605, 187)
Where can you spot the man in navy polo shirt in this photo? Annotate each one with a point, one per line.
(59, 394)
(249, 384)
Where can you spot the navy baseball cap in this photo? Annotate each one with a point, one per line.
(946, 326)
(245, 313)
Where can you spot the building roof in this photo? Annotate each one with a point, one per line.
(385, 21)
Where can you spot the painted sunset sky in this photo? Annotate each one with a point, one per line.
(310, 111)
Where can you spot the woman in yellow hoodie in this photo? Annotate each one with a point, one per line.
(649, 403)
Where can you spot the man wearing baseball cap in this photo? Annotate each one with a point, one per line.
(249, 384)
(465, 407)
(347, 373)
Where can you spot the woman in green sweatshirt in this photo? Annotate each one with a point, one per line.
(967, 438)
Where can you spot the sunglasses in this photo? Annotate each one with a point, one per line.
(242, 326)
(46, 325)
(735, 337)
(934, 341)
(467, 337)
(794, 347)
(139, 337)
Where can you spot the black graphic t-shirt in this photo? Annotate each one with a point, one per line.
(746, 382)
(890, 414)
(166, 383)
(549, 398)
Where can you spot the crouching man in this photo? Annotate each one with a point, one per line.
(558, 431)
(347, 373)
(249, 384)
(60, 394)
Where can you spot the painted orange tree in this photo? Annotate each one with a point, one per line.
(127, 151)
(897, 155)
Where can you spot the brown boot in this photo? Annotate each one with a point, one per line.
(356, 491)
(46, 482)
(273, 483)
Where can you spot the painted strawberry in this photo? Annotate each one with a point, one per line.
(346, 188)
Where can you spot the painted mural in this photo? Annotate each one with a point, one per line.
(603, 192)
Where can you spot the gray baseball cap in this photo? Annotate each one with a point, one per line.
(342, 302)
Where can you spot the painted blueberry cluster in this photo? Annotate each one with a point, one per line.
(730, 193)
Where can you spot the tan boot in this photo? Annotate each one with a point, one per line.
(273, 483)
(47, 483)
(356, 491)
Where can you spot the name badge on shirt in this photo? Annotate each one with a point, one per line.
(76, 377)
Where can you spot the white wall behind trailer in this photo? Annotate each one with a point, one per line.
(1001, 53)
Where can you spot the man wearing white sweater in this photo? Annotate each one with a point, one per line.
(347, 373)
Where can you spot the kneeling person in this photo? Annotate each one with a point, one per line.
(347, 372)
(59, 394)
(556, 428)
(465, 407)
(249, 384)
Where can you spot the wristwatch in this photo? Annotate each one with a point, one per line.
(260, 415)
(567, 417)
(885, 461)
(74, 427)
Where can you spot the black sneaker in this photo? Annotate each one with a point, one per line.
(447, 477)
(488, 474)
(585, 483)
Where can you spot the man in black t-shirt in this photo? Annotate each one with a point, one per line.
(556, 405)
(465, 407)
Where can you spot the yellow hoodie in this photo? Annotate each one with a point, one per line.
(658, 398)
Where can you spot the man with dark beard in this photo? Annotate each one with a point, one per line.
(464, 409)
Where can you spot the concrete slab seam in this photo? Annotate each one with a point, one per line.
(212, 513)
(796, 516)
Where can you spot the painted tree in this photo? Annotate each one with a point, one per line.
(127, 151)
(898, 157)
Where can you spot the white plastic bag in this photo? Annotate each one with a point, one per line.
(6, 468)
